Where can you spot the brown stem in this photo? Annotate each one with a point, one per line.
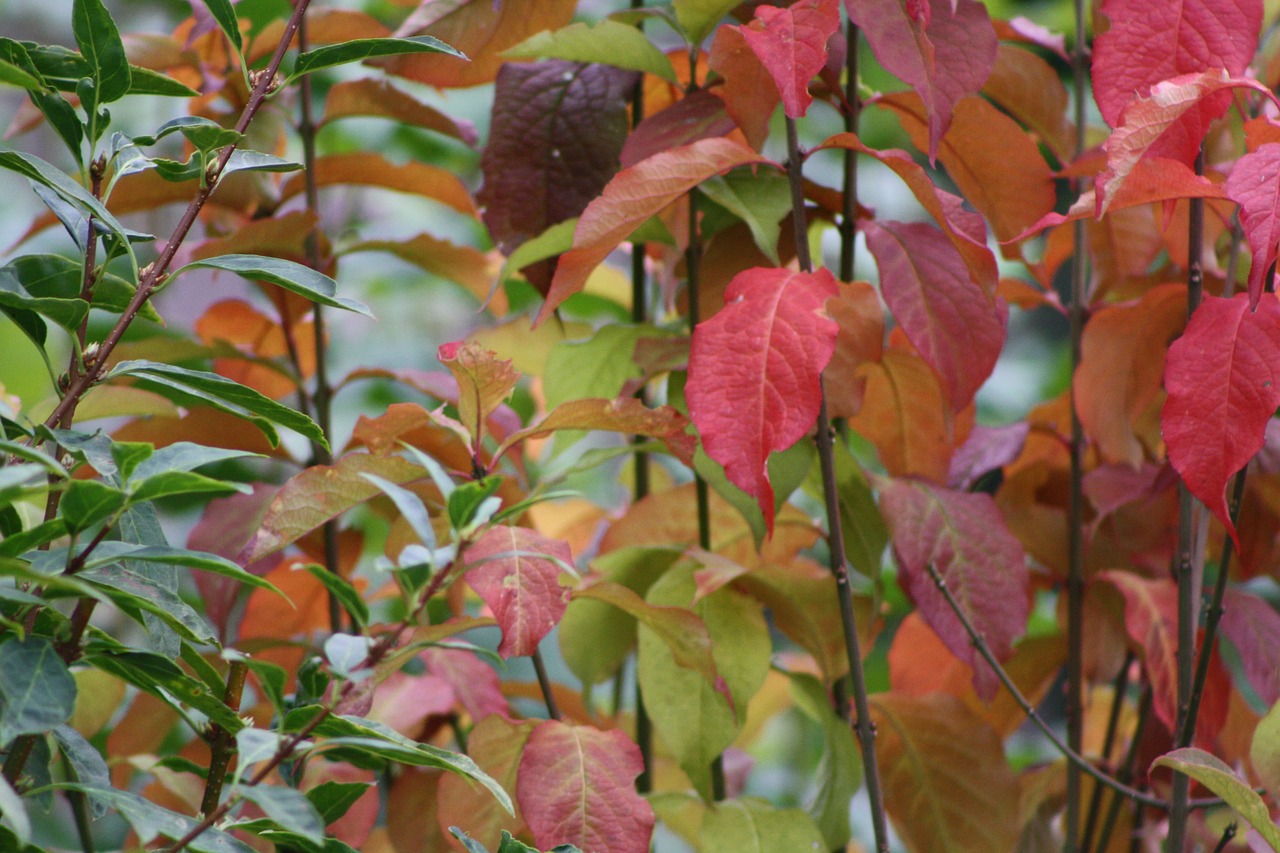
(1108, 742)
(544, 684)
(1125, 772)
(221, 741)
(838, 560)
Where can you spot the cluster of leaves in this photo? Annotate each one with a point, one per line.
(313, 669)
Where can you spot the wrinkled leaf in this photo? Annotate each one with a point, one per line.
(519, 584)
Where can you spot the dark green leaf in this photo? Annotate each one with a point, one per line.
(151, 821)
(59, 277)
(33, 454)
(45, 174)
(358, 49)
(288, 807)
(129, 454)
(87, 502)
(29, 540)
(62, 118)
(14, 813)
(295, 277)
(29, 323)
(12, 75)
(333, 799)
(100, 44)
(17, 69)
(176, 171)
(162, 678)
(184, 483)
(225, 395)
(256, 161)
(271, 678)
(140, 525)
(67, 313)
(114, 552)
(64, 68)
(136, 594)
(466, 499)
(225, 14)
(37, 693)
(87, 763)
(204, 134)
(204, 670)
(346, 594)
(147, 82)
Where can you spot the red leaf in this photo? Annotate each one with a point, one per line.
(1149, 42)
(575, 786)
(1253, 627)
(950, 321)
(1169, 120)
(754, 371)
(557, 131)
(792, 44)
(1254, 184)
(964, 537)
(698, 115)
(519, 585)
(633, 196)
(474, 682)
(748, 96)
(1224, 385)
(484, 381)
(943, 57)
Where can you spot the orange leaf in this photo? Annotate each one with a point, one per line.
(374, 170)
(906, 416)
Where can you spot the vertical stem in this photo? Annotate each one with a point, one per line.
(839, 565)
(849, 199)
(1075, 508)
(1188, 566)
(79, 809)
(544, 683)
(1113, 719)
(321, 399)
(221, 741)
(1125, 772)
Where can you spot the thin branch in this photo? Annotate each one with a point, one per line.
(544, 683)
(1108, 742)
(838, 560)
(1125, 772)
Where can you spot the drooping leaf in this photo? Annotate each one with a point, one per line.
(598, 367)
(222, 394)
(1168, 121)
(1025, 85)
(378, 98)
(480, 30)
(964, 538)
(164, 679)
(288, 807)
(630, 198)
(950, 321)
(294, 277)
(698, 115)
(606, 42)
(623, 414)
(748, 94)
(1253, 626)
(947, 785)
(557, 132)
(1122, 365)
(365, 168)
(1254, 184)
(791, 43)
(1150, 42)
(37, 692)
(513, 571)
(1223, 370)
(761, 201)
(45, 174)
(1214, 774)
(942, 49)
(323, 492)
(357, 50)
(754, 372)
(151, 821)
(576, 786)
(100, 44)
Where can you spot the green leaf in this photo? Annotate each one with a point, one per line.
(288, 807)
(45, 174)
(148, 82)
(466, 499)
(87, 763)
(151, 821)
(113, 552)
(256, 161)
(597, 367)
(37, 693)
(62, 118)
(12, 74)
(183, 456)
(100, 44)
(295, 277)
(358, 49)
(787, 470)
(556, 240)
(225, 395)
(225, 14)
(17, 481)
(13, 813)
(271, 677)
(161, 677)
(699, 17)
(411, 508)
(865, 534)
(606, 42)
(751, 825)
(87, 502)
(346, 594)
(333, 799)
(1215, 775)
(29, 540)
(204, 134)
(137, 594)
(67, 313)
(761, 201)
(369, 738)
(63, 68)
(840, 771)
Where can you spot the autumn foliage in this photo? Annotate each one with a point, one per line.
(618, 473)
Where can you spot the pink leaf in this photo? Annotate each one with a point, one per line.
(698, 115)
(632, 197)
(1149, 42)
(576, 786)
(791, 44)
(519, 583)
(986, 449)
(943, 54)
(950, 321)
(754, 371)
(964, 537)
(474, 682)
(1253, 627)
(1223, 383)
(1169, 121)
(1254, 184)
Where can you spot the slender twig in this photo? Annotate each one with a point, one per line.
(544, 683)
(155, 273)
(221, 741)
(1073, 757)
(1108, 742)
(1189, 568)
(79, 809)
(1075, 504)
(1125, 771)
(1227, 834)
(838, 561)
